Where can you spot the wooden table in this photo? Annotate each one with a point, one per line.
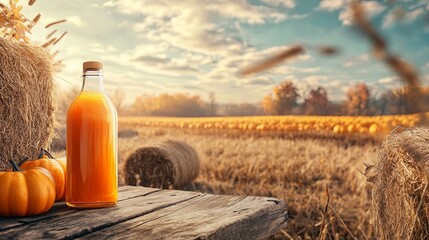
(148, 213)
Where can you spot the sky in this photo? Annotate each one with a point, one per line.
(199, 46)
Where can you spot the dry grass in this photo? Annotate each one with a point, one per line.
(295, 170)
(328, 197)
(302, 172)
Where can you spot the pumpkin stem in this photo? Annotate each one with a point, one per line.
(42, 152)
(23, 161)
(15, 167)
(45, 152)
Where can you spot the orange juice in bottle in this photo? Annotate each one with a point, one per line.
(92, 175)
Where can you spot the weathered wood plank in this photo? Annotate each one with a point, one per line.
(204, 217)
(146, 213)
(59, 208)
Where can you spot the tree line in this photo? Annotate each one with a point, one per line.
(284, 99)
(358, 101)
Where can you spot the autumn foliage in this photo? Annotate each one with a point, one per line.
(357, 100)
(178, 104)
(317, 102)
(282, 100)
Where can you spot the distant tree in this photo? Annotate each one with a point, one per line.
(212, 105)
(241, 109)
(282, 100)
(317, 102)
(425, 99)
(357, 100)
(177, 105)
(285, 96)
(336, 109)
(399, 100)
(268, 105)
(396, 101)
(138, 106)
(118, 100)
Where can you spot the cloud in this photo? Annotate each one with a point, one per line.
(200, 26)
(391, 17)
(202, 39)
(314, 80)
(280, 3)
(95, 5)
(240, 9)
(356, 61)
(306, 84)
(388, 80)
(413, 15)
(229, 67)
(331, 5)
(262, 80)
(337, 89)
(191, 31)
(334, 84)
(372, 8)
(397, 14)
(153, 49)
(76, 20)
(298, 16)
(155, 58)
(286, 69)
(150, 60)
(193, 86)
(164, 66)
(101, 48)
(384, 84)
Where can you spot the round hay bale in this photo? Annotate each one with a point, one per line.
(400, 205)
(170, 163)
(26, 100)
(127, 133)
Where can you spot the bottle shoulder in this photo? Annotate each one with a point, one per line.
(93, 102)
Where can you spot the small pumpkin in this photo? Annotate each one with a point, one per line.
(63, 163)
(46, 160)
(26, 192)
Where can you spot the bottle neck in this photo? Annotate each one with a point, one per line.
(93, 81)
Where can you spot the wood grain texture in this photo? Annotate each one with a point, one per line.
(147, 213)
(80, 222)
(60, 208)
(205, 217)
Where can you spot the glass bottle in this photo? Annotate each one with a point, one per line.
(92, 155)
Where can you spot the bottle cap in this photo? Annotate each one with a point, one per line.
(92, 65)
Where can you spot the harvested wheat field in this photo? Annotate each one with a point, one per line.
(302, 172)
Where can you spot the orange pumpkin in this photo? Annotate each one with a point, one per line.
(26, 193)
(63, 163)
(46, 160)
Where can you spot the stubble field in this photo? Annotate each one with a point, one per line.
(306, 173)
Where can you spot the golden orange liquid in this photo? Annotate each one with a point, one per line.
(91, 152)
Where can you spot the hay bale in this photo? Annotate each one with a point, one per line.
(170, 163)
(26, 100)
(400, 205)
(127, 133)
